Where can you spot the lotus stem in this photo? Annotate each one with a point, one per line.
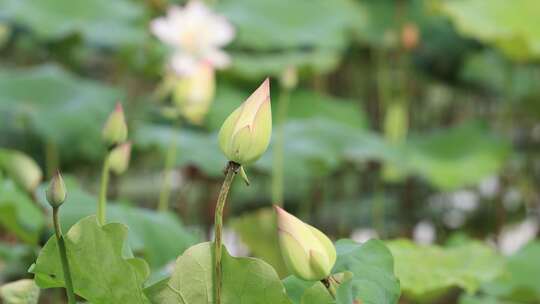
(102, 204)
(63, 257)
(278, 148)
(230, 173)
(165, 192)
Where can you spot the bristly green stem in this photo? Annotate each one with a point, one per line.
(102, 204)
(230, 173)
(165, 192)
(277, 149)
(63, 257)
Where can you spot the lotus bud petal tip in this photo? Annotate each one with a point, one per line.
(245, 134)
(56, 192)
(307, 252)
(115, 128)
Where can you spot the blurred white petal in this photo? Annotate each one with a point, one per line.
(217, 58)
(183, 64)
(424, 233)
(512, 238)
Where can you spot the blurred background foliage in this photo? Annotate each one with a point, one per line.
(412, 119)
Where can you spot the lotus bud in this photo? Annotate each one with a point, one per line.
(24, 171)
(115, 129)
(289, 78)
(245, 134)
(56, 192)
(194, 93)
(307, 252)
(410, 36)
(119, 158)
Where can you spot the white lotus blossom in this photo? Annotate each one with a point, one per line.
(196, 35)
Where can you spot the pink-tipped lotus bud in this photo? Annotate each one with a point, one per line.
(115, 128)
(245, 134)
(307, 252)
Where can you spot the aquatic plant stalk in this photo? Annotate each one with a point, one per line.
(278, 148)
(230, 172)
(63, 257)
(165, 192)
(102, 203)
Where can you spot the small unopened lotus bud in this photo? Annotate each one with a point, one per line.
(24, 171)
(307, 252)
(119, 158)
(194, 93)
(289, 78)
(115, 128)
(56, 192)
(410, 36)
(245, 134)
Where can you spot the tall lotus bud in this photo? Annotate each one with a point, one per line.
(119, 158)
(410, 36)
(56, 192)
(245, 134)
(24, 171)
(307, 252)
(289, 77)
(115, 129)
(194, 93)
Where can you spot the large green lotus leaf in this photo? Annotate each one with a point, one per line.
(20, 292)
(271, 25)
(99, 22)
(313, 147)
(249, 65)
(520, 282)
(245, 280)
(156, 236)
(425, 271)
(372, 267)
(194, 147)
(510, 25)
(18, 213)
(60, 107)
(306, 292)
(482, 299)
(515, 85)
(102, 269)
(270, 38)
(258, 231)
(454, 157)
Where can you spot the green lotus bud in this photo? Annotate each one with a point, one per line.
(115, 129)
(24, 171)
(307, 252)
(56, 192)
(119, 158)
(245, 134)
